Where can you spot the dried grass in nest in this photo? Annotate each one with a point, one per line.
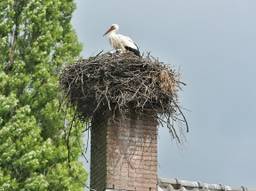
(110, 83)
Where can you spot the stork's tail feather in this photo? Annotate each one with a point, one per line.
(135, 51)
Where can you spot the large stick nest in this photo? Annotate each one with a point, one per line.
(110, 83)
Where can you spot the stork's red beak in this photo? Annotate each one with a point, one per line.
(110, 29)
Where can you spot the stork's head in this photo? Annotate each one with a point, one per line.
(112, 28)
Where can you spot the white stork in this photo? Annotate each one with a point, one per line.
(120, 42)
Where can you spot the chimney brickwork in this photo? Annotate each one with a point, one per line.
(124, 154)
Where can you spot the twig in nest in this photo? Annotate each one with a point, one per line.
(68, 139)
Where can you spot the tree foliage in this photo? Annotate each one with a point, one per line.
(36, 40)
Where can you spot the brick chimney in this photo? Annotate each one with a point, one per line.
(124, 153)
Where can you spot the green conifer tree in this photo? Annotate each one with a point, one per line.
(36, 40)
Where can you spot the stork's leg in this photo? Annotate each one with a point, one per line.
(115, 52)
(119, 51)
(112, 52)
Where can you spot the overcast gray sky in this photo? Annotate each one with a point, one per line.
(213, 43)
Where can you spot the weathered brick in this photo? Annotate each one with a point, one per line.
(124, 153)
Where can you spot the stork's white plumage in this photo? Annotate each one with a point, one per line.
(120, 42)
